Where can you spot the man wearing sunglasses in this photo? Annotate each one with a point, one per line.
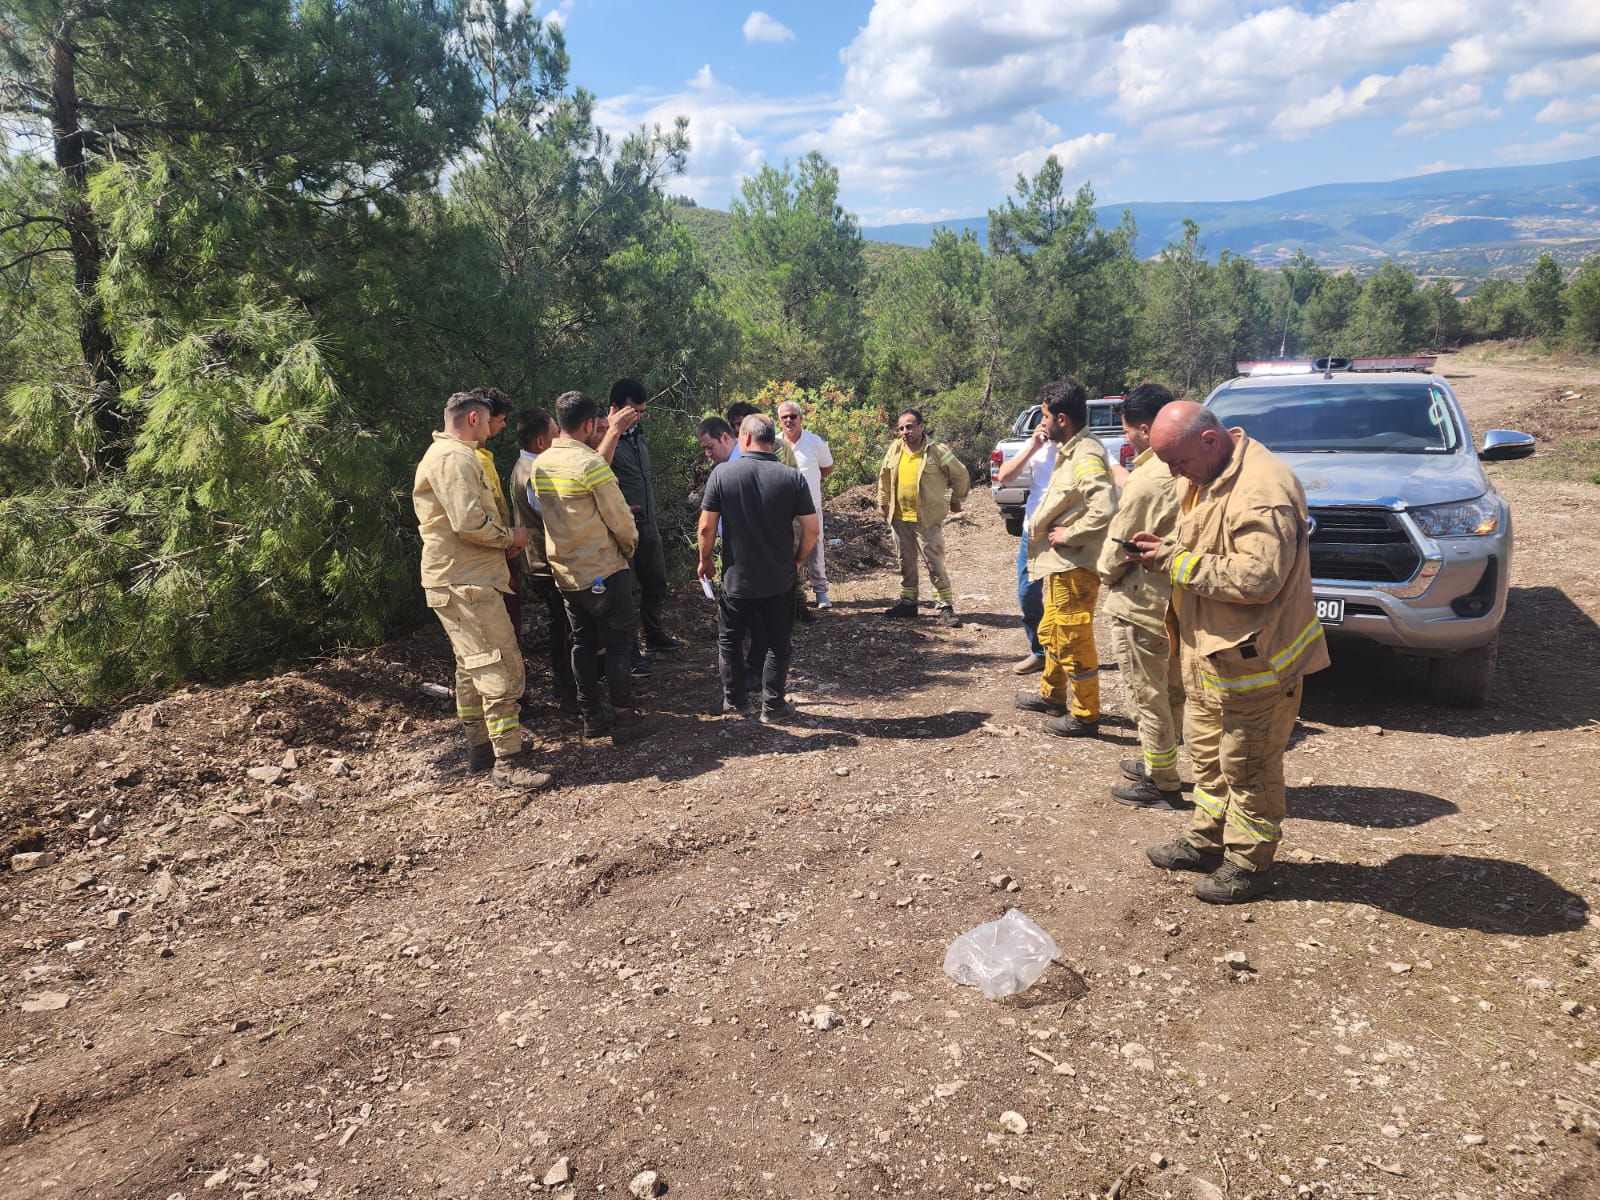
(912, 484)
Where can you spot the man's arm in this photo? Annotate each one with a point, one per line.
(810, 530)
(885, 483)
(621, 420)
(1092, 481)
(706, 535)
(462, 490)
(960, 478)
(824, 458)
(613, 509)
(1266, 541)
(1013, 466)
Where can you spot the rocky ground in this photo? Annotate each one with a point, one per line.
(273, 943)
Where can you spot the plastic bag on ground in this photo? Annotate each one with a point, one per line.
(1001, 958)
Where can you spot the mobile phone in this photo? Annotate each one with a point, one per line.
(1130, 547)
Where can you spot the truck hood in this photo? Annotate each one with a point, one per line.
(1342, 477)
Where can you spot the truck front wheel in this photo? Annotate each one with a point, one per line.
(1463, 680)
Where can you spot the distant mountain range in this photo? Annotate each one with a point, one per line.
(1472, 223)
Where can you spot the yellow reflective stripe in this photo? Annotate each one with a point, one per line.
(1210, 803)
(1161, 758)
(1262, 831)
(562, 487)
(1297, 647)
(1240, 683)
(1091, 466)
(1183, 564)
(468, 714)
(1084, 674)
(504, 725)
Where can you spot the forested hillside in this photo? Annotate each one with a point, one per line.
(248, 250)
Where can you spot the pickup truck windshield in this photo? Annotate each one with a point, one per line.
(1396, 418)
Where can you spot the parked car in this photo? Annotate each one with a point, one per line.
(1105, 422)
(1410, 545)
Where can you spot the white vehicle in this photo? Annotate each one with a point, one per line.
(1105, 422)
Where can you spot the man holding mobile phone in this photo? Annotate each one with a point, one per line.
(1138, 603)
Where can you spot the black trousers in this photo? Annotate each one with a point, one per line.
(770, 620)
(606, 623)
(650, 581)
(544, 587)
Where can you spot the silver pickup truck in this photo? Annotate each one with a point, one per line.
(1410, 545)
(1105, 422)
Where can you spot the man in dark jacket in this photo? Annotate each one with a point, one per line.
(634, 473)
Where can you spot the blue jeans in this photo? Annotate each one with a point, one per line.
(1030, 597)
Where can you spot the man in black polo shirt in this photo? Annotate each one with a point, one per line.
(757, 499)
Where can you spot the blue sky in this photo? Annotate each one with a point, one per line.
(930, 108)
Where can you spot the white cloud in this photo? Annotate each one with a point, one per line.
(759, 27)
(1077, 157)
(1563, 145)
(1550, 78)
(1435, 167)
(1570, 112)
(1459, 107)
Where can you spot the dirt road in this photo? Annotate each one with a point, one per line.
(716, 954)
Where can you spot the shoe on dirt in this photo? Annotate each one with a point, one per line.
(1134, 769)
(665, 643)
(773, 714)
(906, 608)
(480, 758)
(1067, 725)
(1034, 702)
(1145, 794)
(629, 726)
(1181, 856)
(947, 617)
(1029, 665)
(512, 775)
(1232, 884)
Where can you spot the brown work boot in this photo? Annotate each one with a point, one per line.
(514, 774)
(1181, 856)
(1232, 884)
(1030, 664)
(480, 758)
(629, 725)
(1145, 794)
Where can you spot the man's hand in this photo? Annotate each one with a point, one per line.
(625, 416)
(519, 541)
(883, 510)
(1119, 475)
(1148, 544)
(1058, 536)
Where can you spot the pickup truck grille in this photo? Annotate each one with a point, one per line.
(1366, 545)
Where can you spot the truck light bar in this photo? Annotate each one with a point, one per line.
(1307, 366)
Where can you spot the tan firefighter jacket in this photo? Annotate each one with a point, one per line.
(1149, 504)
(1079, 499)
(589, 533)
(1240, 566)
(464, 542)
(940, 468)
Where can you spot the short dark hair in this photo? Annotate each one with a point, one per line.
(904, 412)
(1066, 397)
(628, 391)
(534, 423)
(738, 411)
(573, 409)
(1144, 402)
(499, 402)
(714, 428)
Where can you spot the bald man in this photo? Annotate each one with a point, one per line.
(1240, 568)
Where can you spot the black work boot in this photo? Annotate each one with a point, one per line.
(1145, 794)
(906, 608)
(1181, 856)
(629, 725)
(480, 758)
(1232, 884)
(1067, 725)
(1034, 702)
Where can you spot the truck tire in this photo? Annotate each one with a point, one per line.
(1463, 680)
(1014, 524)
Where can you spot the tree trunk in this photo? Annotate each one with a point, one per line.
(94, 340)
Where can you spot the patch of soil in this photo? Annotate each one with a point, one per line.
(289, 947)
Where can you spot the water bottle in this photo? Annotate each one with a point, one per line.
(599, 588)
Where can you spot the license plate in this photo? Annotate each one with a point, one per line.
(1330, 609)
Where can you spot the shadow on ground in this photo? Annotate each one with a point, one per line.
(1447, 890)
(1372, 807)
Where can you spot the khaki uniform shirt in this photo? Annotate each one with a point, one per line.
(464, 542)
(1240, 567)
(1149, 504)
(1080, 500)
(589, 533)
(528, 517)
(940, 469)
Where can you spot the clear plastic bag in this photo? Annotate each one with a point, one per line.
(1001, 958)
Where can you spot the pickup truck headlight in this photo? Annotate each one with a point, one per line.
(1464, 518)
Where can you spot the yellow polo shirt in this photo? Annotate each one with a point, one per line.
(907, 481)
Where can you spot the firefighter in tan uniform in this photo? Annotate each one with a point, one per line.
(912, 481)
(1065, 535)
(1138, 604)
(465, 546)
(1240, 567)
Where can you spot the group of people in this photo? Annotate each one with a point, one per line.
(1202, 551)
(578, 529)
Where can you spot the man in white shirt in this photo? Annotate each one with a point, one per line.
(815, 462)
(1039, 457)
